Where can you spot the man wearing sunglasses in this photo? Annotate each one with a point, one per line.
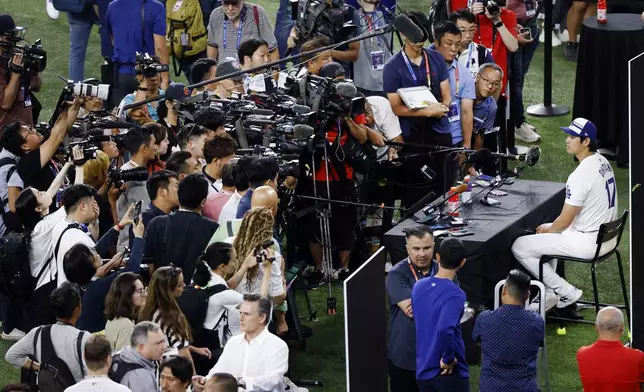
(235, 22)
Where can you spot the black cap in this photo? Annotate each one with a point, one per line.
(228, 67)
(7, 25)
(177, 92)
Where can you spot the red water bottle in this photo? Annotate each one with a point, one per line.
(452, 203)
(601, 11)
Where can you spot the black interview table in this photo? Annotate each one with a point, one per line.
(527, 205)
(601, 84)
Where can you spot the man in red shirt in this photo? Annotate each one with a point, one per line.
(497, 32)
(608, 366)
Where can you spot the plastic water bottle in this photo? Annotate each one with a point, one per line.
(452, 203)
(466, 197)
(601, 11)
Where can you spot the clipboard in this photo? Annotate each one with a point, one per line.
(417, 97)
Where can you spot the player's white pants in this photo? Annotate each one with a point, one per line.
(529, 249)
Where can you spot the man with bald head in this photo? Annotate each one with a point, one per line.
(607, 365)
(263, 196)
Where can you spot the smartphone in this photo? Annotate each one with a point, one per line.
(527, 30)
(137, 211)
(427, 172)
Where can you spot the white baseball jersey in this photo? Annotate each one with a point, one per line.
(592, 187)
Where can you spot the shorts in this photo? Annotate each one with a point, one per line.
(343, 218)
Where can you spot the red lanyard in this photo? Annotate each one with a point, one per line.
(456, 77)
(412, 271)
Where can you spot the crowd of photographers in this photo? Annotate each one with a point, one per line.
(166, 240)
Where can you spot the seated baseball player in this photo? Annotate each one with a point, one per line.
(591, 200)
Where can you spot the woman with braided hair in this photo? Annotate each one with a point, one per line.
(257, 229)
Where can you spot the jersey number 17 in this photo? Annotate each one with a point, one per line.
(611, 190)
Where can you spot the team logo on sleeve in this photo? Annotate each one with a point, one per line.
(568, 193)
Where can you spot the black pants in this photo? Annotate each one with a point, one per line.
(451, 383)
(12, 314)
(402, 380)
(124, 84)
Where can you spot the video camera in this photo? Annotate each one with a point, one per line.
(149, 66)
(34, 58)
(329, 18)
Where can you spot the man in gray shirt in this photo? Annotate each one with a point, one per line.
(235, 22)
(137, 363)
(65, 302)
(140, 143)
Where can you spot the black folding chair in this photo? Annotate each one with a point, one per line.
(607, 232)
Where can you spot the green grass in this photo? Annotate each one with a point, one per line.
(324, 357)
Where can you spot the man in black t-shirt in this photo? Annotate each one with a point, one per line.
(36, 167)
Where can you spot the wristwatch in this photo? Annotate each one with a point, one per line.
(498, 24)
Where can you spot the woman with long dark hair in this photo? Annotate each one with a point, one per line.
(123, 303)
(32, 208)
(161, 307)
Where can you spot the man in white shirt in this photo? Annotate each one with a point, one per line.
(591, 200)
(217, 152)
(257, 358)
(382, 119)
(98, 358)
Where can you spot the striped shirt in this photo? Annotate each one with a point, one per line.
(175, 342)
(223, 35)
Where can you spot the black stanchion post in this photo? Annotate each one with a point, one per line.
(547, 108)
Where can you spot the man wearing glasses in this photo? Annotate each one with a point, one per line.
(471, 54)
(488, 81)
(235, 22)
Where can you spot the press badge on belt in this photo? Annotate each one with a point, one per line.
(378, 60)
(453, 114)
(26, 96)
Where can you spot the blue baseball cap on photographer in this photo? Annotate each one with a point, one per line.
(177, 92)
(581, 127)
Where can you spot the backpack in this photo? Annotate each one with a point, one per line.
(120, 368)
(187, 35)
(70, 5)
(16, 280)
(438, 12)
(54, 374)
(194, 304)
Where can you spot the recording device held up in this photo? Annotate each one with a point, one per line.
(149, 66)
(118, 177)
(260, 252)
(329, 18)
(34, 57)
(493, 7)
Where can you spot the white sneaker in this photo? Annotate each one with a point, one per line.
(14, 335)
(573, 296)
(555, 39)
(542, 36)
(289, 386)
(563, 36)
(551, 301)
(530, 126)
(51, 11)
(525, 134)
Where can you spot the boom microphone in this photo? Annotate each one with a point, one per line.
(530, 158)
(409, 29)
(302, 131)
(301, 109)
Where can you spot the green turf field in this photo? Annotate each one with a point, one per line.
(324, 357)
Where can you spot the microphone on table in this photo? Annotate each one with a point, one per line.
(530, 158)
(431, 207)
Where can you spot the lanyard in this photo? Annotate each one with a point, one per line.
(456, 78)
(412, 270)
(411, 70)
(371, 28)
(469, 56)
(239, 30)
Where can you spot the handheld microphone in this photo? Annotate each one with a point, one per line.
(530, 158)
(409, 29)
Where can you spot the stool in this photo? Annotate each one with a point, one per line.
(607, 232)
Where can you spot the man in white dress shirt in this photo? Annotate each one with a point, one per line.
(257, 358)
(98, 359)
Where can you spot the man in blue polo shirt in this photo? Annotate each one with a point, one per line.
(135, 26)
(416, 66)
(459, 119)
(401, 348)
(438, 305)
(510, 338)
(488, 80)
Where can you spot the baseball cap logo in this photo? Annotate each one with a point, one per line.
(186, 91)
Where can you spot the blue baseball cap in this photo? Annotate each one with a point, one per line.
(581, 127)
